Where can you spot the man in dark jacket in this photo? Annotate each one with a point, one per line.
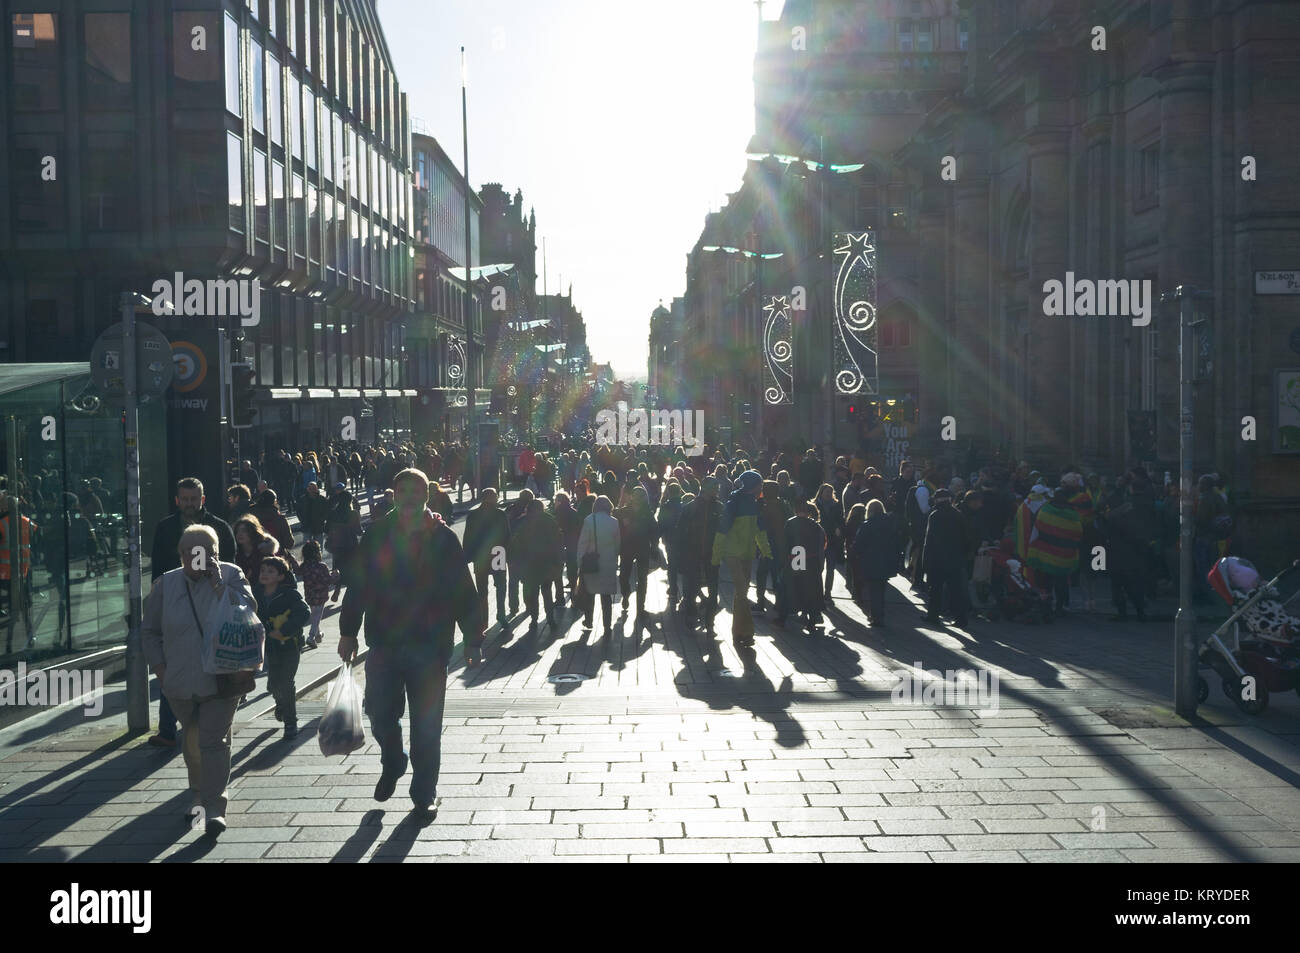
(804, 557)
(487, 547)
(947, 539)
(313, 514)
(1129, 531)
(811, 474)
(191, 508)
(876, 550)
(412, 588)
(695, 532)
(539, 554)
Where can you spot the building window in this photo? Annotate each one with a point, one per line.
(295, 117)
(924, 36)
(108, 61)
(261, 211)
(258, 81)
(1148, 176)
(197, 72)
(298, 244)
(309, 125)
(963, 34)
(233, 102)
(273, 99)
(313, 224)
(235, 181)
(34, 39)
(904, 334)
(38, 201)
(281, 238)
(337, 120)
(198, 173)
(886, 340)
(327, 225)
(905, 36)
(111, 201)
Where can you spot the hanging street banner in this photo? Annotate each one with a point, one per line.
(854, 301)
(778, 352)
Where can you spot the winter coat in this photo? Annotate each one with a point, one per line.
(250, 564)
(696, 530)
(170, 636)
(637, 530)
(811, 472)
(947, 539)
(1129, 531)
(740, 530)
(775, 513)
(538, 546)
(830, 514)
(667, 518)
(876, 548)
(411, 590)
(167, 539)
(312, 514)
(316, 582)
(600, 533)
(804, 585)
(570, 527)
(284, 611)
(485, 529)
(273, 522)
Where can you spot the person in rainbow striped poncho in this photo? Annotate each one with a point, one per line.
(1054, 546)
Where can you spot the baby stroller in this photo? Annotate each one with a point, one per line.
(1016, 598)
(1267, 653)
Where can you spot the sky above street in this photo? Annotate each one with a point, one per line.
(623, 124)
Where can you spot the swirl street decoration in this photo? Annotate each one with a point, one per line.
(456, 364)
(778, 352)
(855, 364)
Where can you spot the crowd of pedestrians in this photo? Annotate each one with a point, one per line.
(790, 524)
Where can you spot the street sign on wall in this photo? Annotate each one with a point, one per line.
(1277, 282)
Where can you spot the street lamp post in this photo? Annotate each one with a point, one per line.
(1185, 662)
(469, 297)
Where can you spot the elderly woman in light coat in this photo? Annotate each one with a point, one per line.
(600, 534)
(173, 647)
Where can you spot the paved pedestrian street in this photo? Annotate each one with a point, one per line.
(671, 746)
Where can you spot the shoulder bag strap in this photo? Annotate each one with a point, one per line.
(190, 597)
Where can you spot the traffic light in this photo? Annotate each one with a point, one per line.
(242, 411)
(852, 410)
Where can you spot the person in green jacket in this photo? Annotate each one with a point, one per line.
(739, 532)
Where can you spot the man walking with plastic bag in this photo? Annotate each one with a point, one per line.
(411, 586)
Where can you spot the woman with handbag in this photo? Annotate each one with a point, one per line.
(181, 602)
(598, 549)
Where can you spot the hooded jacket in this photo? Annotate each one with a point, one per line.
(740, 529)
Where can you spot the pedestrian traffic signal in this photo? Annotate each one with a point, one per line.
(242, 411)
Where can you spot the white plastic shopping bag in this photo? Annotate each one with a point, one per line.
(233, 636)
(340, 729)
